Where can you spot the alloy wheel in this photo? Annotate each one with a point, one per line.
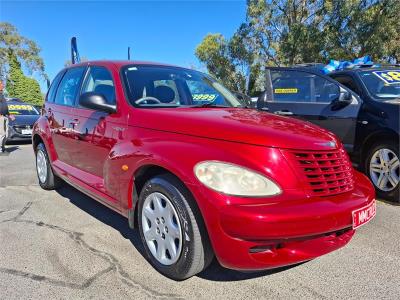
(161, 228)
(384, 169)
(41, 166)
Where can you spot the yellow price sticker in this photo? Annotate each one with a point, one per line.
(286, 91)
(204, 97)
(389, 77)
(19, 107)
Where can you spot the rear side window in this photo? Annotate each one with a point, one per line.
(99, 80)
(68, 87)
(53, 88)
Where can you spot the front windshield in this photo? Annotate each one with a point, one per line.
(160, 86)
(22, 109)
(382, 84)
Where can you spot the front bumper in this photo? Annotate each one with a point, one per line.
(280, 232)
(14, 135)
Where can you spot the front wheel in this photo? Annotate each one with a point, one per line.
(171, 228)
(383, 168)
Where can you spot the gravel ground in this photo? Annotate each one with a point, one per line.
(64, 245)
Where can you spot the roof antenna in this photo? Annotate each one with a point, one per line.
(129, 53)
(75, 58)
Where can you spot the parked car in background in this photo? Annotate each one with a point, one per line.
(361, 106)
(174, 151)
(26, 115)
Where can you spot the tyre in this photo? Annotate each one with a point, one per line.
(383, 167)
(171, 228)
(47, 179)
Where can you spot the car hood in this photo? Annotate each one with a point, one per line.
(24, 120)
(236, 125)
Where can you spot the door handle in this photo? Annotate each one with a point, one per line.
(73, 122)
(283, 113)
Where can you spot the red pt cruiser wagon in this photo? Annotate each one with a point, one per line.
(199, 175)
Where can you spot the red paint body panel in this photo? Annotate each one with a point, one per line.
(246, 233)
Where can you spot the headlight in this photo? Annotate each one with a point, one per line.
(234, 180)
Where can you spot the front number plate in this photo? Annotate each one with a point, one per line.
(26, 131)
(364, 215)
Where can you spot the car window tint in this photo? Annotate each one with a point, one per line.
(291, 86)
(53, 88)
(99, 80)
(69, 86)
(325, 90)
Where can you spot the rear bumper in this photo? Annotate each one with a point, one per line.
(280, 233)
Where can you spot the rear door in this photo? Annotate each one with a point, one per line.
(59, 113)
(309, 96)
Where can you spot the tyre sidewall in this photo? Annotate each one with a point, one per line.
(179, 269)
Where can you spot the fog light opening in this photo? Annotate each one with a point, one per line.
(265, 248)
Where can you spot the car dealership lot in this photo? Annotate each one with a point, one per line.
(65, 245)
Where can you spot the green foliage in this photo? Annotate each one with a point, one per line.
(20, 86)
(287, 32)
(26, 51)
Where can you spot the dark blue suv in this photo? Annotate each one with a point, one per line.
(360, 105)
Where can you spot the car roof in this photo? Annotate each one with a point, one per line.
(122, 63)
(357, 70)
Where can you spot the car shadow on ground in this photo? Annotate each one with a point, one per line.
(215, 272)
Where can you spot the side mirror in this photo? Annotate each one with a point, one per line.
(97, 102)
(262, 101)
(344, 99)
(345, 96)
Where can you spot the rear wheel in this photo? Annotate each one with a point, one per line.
(383, 168)
(47, 179)
(171, 229)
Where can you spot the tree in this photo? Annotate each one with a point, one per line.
(24, 49)
(356, 28)
(20, 86)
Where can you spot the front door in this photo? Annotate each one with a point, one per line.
(309, 96)
(97, 132)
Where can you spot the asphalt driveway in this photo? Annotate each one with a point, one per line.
(64, 245)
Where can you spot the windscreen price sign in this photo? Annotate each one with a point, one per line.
(389, 77)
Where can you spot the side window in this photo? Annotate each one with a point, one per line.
(53, 88)
(347, 81)
(99, 80)
(292, 86)
(325, 90)
(68, 88)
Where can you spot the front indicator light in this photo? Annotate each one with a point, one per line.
(234, 180)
